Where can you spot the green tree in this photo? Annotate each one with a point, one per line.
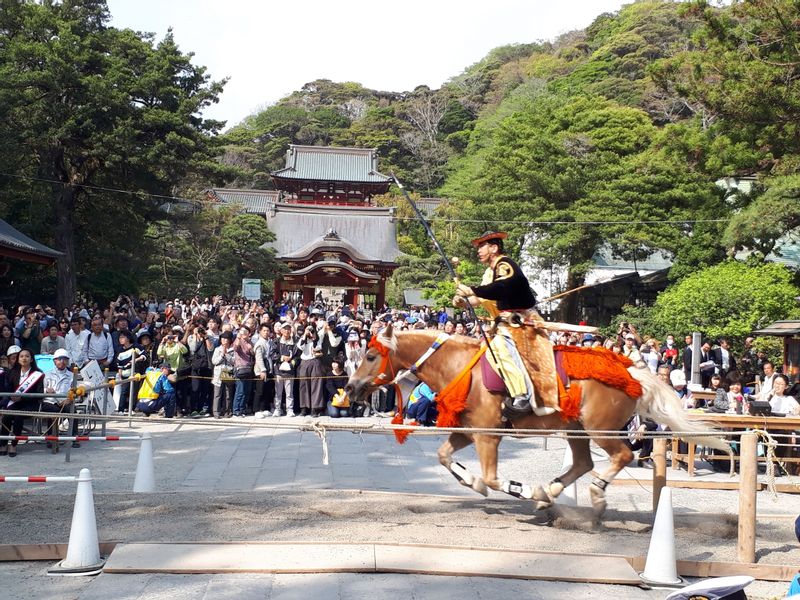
(87, 105)
(731, 300)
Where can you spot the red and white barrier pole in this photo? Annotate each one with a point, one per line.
(36, 479)
(72, 438)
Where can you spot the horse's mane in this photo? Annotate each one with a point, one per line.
(426, 334)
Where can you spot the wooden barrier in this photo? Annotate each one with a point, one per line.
(739, 423)
(748, 477)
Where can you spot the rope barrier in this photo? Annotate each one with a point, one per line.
(383, 428)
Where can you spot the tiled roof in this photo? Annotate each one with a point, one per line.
(18, 242)
(323, 163)
(253, 201)
(781, 328)
(369, 231)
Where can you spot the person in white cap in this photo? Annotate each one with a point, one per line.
(58, 381)
(11, 356)
(717, 588)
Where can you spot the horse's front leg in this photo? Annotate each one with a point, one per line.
(454, 443)
(582, 463)
(486, 445)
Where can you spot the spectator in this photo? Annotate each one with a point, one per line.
(678, 381)
(58, 381)
(707, 365)
(630, 350)
(421, 405)
(165, 388)
(650, 355)
(768, 381)
(52, 342)
(149, 350)
(337, 402)
(126, 365)
(723, 358)
(779, 402)
(686, 357)
(7, 340)
(29, 332)
(200, 351)
(244, 364)
(331, 346)
(223, 360)
(97, 346)
(173, 353)
(284, 369)
(24, 377)
(309, 372)
(266, 351)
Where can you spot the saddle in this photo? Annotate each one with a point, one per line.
(494, 383)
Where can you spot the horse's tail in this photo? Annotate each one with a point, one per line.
(659, 403)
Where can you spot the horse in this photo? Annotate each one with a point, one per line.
(601, 407)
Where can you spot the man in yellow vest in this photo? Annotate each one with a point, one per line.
(504, 289)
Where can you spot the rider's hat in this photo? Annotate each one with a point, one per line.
(489, 236)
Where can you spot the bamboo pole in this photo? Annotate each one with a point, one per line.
(748, 471)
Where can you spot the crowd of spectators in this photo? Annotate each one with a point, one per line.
(228, 358)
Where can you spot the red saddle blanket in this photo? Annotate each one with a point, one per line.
(574, 363)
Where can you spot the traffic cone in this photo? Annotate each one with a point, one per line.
(83, 550)
(569, 496)
(661, 568)
(145, 480)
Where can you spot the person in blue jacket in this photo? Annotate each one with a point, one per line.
(422, 405)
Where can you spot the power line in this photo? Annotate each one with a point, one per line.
(532, 223)
(432, 219)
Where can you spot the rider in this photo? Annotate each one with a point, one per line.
(505, 289)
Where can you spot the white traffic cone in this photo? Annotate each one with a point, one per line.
(568, 497)
(145, 481)
(661, 568)
(83, 551)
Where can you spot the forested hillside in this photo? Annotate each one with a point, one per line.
(611, 135)
(628, 123)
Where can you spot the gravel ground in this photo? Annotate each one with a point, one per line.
(296, 506)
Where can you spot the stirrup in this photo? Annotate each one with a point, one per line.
(512, 412)
(543, 411)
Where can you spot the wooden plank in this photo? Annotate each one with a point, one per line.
(20, 552)
(511, 565)
(280, 557)
(699, 568)
(241, 558)
(785, 488)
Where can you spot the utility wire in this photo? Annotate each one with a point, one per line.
(432, 219)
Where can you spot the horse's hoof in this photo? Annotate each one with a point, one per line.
(480, 486)
(541, 498)
(598, 498)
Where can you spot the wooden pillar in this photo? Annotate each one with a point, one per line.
(660, 470)
(748, 473)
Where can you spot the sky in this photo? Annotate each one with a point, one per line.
(269, 49)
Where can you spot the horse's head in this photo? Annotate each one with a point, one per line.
(376, 368)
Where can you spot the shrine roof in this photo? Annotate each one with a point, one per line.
(326, 163)
(15, 244)
(368, 234)
(253, 201)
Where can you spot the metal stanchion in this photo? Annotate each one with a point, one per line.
(104, 408)
(130, 396)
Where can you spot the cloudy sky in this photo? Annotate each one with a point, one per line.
(268, 49)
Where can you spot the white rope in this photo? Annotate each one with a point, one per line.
(319, 429)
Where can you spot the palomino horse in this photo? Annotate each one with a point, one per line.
(602, 408)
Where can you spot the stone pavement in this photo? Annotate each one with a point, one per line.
(243, 457)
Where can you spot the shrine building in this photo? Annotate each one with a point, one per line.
(329, 234)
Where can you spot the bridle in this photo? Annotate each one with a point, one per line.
(386, 363)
